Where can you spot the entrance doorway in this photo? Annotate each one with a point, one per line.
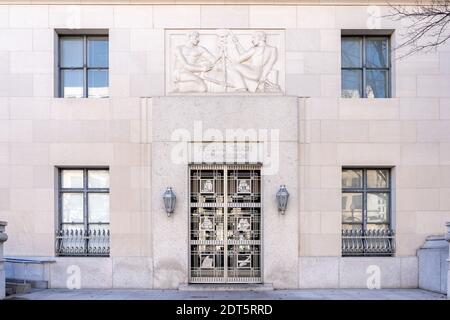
(225, 224)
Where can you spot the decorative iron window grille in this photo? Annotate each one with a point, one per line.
(83, 213)
(80, 242)
(366, 212)
(370, 242)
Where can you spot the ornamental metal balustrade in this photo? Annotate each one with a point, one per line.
(81, 242)
(357, 242)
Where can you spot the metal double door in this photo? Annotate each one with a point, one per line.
(225, 224)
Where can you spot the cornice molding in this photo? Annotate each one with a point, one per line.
(211, 2)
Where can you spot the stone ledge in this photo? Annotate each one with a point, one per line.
(434, 241)
(225, 287)
(352, 272)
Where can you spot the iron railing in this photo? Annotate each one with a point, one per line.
(81, 242)
(368, 242)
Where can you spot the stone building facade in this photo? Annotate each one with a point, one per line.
(133, 118)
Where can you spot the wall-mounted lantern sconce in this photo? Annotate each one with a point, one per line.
(282, 199)
(169, 201)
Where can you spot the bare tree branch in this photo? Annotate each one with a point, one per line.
(426, 25)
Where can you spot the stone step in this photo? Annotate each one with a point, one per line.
(9, 290)
(39, 284)
(224, 287)
(35, 284)
(17, 287)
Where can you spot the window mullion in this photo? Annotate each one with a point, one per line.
(85, 62)
(388, 82)
(364, 201)
(85, 209)
(363, 55)
(60, 220)
(60, 204)
(60, 80)
(86, 82)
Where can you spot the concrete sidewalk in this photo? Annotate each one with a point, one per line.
(322, 294)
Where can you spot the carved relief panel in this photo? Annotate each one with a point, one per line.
(221, 61)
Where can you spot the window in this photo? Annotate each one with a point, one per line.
(365, 64)
(83, 66)
(83, 199)
(366, 212)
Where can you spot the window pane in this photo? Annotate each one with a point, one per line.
(377, 207)
(98, 179)
(377, 226)
(98, 207)
(352, 207)
(351, 83)
(72, 52)
(72, 179)
(72, 207)
(378, 178)
(376, 53)
(98, 227)
(72, 83)
(376, 83)
(352, 178)
(98, 83)
(73, 227)
(98, 53)
(351, 52)
(352, 226)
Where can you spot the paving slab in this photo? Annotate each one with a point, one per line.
(310, 294)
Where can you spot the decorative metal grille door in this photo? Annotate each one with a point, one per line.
(225, 224)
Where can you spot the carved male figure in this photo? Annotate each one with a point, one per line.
(254, 64)
(191, 62)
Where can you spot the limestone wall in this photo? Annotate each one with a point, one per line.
(131, 134)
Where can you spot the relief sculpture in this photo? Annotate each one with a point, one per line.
(192, 61)
(224, 61)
